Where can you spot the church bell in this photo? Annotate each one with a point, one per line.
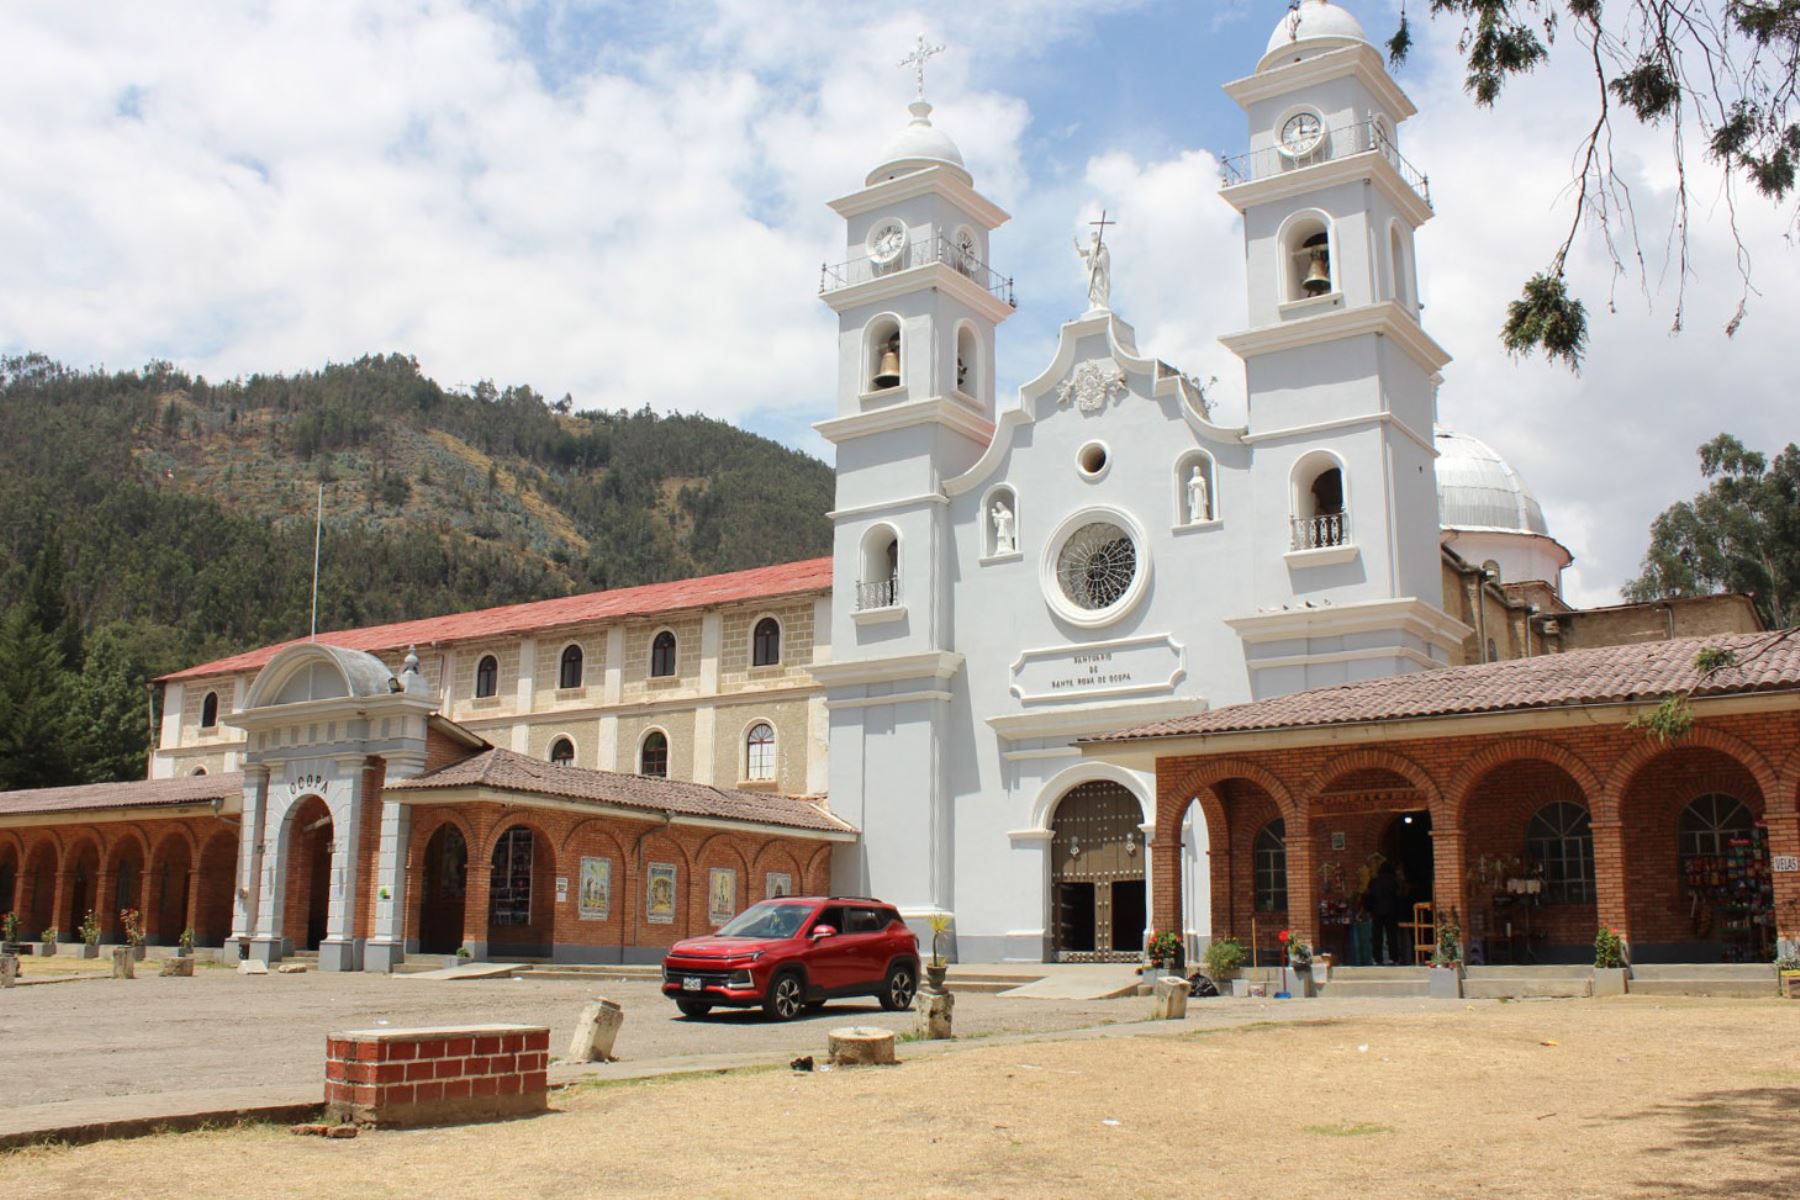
(1318, 273)
(889, 374)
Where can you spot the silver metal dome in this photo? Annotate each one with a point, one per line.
(1477, 489)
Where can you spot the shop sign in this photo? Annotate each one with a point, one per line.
(1785, 863)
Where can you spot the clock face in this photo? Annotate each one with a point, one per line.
(1302, 134)
(886, 241)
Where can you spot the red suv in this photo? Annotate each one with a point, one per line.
(794, 953)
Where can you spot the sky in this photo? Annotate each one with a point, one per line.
(626, 203)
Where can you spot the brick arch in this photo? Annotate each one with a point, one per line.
(1789, 777)
(66, 916)
(700, 888)
(40, 865)
(505, 820)
(9, 838)
(423, 832)
(1371, 758)
(1610, 806)
(415, 918)
(1197, 784)
(819, 862)
(1476, 767)
(166, 907)
(592, 827)
(775, 856)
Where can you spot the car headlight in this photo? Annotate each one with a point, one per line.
(740, 979)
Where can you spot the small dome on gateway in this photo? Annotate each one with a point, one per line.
(918, 146)
(1477, 489)
(1311, 27)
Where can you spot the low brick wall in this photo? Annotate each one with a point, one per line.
(441, 1076)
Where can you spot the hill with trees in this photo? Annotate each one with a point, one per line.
(150, 519)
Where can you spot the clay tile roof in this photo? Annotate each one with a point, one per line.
(762, 583)
(505, 770)
(143, 793)
(1607, 675)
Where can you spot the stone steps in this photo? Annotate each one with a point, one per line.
(1517, 987)
(1745, 980)
(1366, 988)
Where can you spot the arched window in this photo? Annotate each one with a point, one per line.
(562, 752)
(968, 361)
(1402, 281)
(1269, 860)
(509, 888)
(1319, 518)
(1561, 840)
(653, 755)
(882, 351)
(662, 655)
(209, 711)
(568, 675)
(487, 676)
(198, 771)
(1306, 265)
(759, 751)
(1710, 823)
(765, 643)
(879, 586)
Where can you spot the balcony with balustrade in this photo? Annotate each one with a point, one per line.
(922, 251)
(1369, 137)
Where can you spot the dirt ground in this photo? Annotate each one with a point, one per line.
(106, 1037)
(1635, 1097)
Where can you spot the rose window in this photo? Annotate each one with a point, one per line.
(1096, 566)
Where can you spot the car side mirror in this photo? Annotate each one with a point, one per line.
(823, 931)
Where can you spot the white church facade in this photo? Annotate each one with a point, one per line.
(587, 778)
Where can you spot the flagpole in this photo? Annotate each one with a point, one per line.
(318, 533)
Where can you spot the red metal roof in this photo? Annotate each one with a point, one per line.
(140, 793)
(1645, 671)
(761, 583)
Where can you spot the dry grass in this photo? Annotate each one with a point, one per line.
(1633, 1097)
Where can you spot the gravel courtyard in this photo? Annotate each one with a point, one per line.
(1635, 1097)
(219, 1030)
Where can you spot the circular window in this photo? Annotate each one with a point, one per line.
(1096, 568)
(1092, 458)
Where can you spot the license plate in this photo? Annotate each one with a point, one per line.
(690, 983)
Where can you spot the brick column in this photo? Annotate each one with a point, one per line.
(1164, 861)
(1302, 887)
(1218, 874)
(475, 902)
(191, 919)
(1609, 877)
(106, 905)
(1784, 839)
(1447, 878)
(60, 902)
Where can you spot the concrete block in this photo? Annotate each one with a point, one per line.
(935, 1011)
(1171, 998)
(595, 1031)
(9, 970)
(124, 963)
(293, 968)
(180, 967)
(1610, 981)
(253, 966)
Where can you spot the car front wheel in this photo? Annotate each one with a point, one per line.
(898, 988)
(786, 998)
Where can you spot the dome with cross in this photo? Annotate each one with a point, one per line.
(1309, 28)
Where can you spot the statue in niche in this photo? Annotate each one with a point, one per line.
(1199, 505)
(1005, 541)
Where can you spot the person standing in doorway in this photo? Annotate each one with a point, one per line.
(1383, 903)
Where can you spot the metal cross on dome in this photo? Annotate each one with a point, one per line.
(922, 53)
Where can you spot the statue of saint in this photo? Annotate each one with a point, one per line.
(1198, 508)
(1097, 260)
(1004, 542)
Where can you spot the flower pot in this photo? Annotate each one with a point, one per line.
(184, 952)
(934, 977)
(11, 948)
(1446, 983)
(90, 949)
(1610, 981)
(47, 950)
(137, 952)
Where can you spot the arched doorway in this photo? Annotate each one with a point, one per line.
(9, 880)
(443, 892)
(1097, 892)
(307, 909)
(166, 911)
(37, 890)
(127, 869)
(82, 890)
(1406, 842)
(218, 884)
(521, 916)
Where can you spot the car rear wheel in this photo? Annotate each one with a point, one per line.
(786, 999)
(693, 1008)
(898, 988)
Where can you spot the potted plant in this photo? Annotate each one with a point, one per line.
(462, 958)
(1224, 957)
(1611, 969)
(1447, 960)
(184, 945)
(133, 921)
(9, 933)
(1299, 963)
(50, 936)
(937, 968)
(1163, 951)
(90, 935)
(1787, 967)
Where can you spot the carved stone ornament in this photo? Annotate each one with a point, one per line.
(1092, 386)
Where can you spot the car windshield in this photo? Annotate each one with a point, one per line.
(767, 920)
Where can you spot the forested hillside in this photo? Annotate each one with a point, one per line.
(150, 520)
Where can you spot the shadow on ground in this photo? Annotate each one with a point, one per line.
(1746, 1131)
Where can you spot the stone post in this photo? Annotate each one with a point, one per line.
(124, 963)
(9, 970)
(595, 1031)
(935, 1010)
(1171, 998)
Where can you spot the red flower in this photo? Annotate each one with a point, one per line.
(1284, 936)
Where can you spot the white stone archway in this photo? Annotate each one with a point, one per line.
(1039, 836)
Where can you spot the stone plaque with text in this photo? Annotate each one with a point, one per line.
(1121, 667)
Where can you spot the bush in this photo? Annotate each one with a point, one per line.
(1224, 956)
(1609, 949)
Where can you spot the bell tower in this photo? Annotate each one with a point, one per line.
(917, 307)
(1341, 376)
